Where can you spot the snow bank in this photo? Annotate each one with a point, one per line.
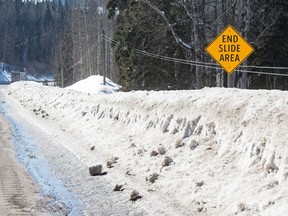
(229, 146)
(94, 85)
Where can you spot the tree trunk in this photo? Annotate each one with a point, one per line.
(197, 45)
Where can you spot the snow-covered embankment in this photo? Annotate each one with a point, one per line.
(229, 147)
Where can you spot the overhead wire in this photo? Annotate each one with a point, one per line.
(87, 53)
(184, 61)
(177, 60)
(205, 64)
(261, 72)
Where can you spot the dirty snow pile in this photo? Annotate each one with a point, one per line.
(95, 85)
(203, 152)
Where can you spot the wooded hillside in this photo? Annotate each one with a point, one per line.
(182, 29)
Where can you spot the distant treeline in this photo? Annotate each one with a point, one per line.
(30, 32)
(54, 35)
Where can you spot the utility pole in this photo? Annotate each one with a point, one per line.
(104, 56)
(62, 78)
(229, 80)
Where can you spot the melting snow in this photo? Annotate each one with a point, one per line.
(229, 146)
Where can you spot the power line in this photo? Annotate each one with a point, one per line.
(265, 67)
(261, 73)
(176, 60)
(183, 61)
(204, 64)
(207, 66)
(165, 57)
(87, 53)
(110, 40)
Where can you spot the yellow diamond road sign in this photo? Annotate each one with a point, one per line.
(229, 49)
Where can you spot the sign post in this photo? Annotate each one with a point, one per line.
(229, 49)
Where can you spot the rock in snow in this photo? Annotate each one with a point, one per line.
(167, 161)
(95, 170)
(135, 195)
(153, 153)
(162, 150)
(152, 178)
(118, 187)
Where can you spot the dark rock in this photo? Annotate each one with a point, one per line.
(154, 153)
(111, 161)
(109, 164)
(95, 170)
(193, 145)
(179, 143)
(200, 183)
(135, 195)
(167, 161)
(162, 150)
(118, 188)
(152, 178)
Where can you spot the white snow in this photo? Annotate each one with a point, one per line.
(235, 141)
(39, 78)
(5, 77)
(95, 85)
(186, 45)
(100, 10)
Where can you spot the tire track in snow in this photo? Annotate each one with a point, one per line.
(12, 191)
(57, 198)
(17, 195)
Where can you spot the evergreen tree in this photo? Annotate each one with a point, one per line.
(48, 19)
(140, 28)
(272, 47)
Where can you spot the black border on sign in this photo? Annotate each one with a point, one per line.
(242, 39)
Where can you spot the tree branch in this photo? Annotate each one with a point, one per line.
(162, 14)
